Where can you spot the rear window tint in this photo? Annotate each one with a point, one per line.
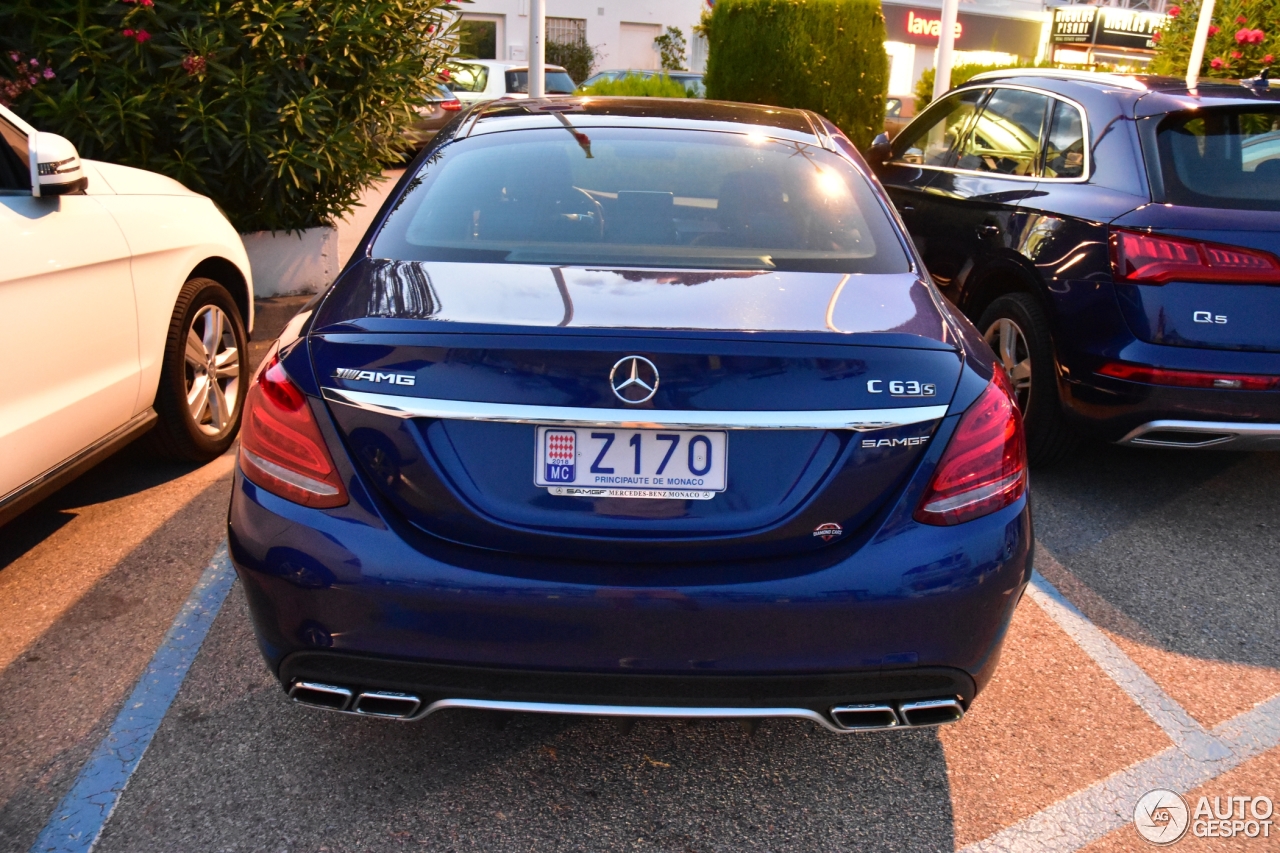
(642, 197)
(1221, 158)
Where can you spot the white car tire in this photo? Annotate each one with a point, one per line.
(205, 375)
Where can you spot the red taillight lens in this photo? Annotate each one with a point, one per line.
(984, 467)
(1190, 378)
(1143, 258)
(281, 449)
(452, 106)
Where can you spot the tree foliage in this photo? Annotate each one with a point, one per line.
(823, 55)
(1244, 39)
(282, 111)
(672, 49)
(576, 57)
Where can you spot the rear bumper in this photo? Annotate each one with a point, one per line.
(915, 612)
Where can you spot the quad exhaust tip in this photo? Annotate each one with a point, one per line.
(397, 706)
(320, 695)
(374, 703)
(932, 712)
(927, 712)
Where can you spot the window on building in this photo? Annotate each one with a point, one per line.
(566, 30)
(478, 39)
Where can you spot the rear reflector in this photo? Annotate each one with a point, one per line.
(1190, 378)
(984, 467)
(281, 449)
(1143, 258)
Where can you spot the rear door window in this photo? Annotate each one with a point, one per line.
(556, 83)
(464, 77)
(1005, 138)
(1223, 158)
(929, 141)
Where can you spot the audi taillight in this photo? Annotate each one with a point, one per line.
(984, 467)
(451, 106)
(281, 449)
(1190, 378)
(1143, 258)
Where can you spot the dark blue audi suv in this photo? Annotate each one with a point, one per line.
(1115, 239)
(634, 408)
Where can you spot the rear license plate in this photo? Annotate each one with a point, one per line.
(632, 463)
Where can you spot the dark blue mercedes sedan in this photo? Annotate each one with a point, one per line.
(1117, 241)
(634, 408)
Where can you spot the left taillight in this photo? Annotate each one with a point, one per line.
(1141, 257)
(984, 467)
(281, 449)
(452, 106)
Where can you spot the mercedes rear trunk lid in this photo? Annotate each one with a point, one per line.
(659, 414)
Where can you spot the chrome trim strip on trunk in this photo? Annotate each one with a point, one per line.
(860, 420)
(1217, 434)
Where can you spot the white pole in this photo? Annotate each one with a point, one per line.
(537, 48)
(1197, 46)
(946, 48)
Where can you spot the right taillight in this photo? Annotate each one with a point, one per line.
(1141, 257)
(281, 449)
(984, 467)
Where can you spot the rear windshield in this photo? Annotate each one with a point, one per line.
(465, 77)
(556, 83)
(642, 197)
(1221, 158)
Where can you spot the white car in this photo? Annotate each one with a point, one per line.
(472, 80)
(125, 305)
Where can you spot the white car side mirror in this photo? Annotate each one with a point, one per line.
(55, 166)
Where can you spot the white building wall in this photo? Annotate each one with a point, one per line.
(605, 20)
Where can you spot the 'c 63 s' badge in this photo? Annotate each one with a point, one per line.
(827, 531)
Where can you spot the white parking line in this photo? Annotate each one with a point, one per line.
(79, 819)
(1182, 729)
(1104, 807)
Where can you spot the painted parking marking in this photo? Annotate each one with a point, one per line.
(79, 819)
(1187, 734)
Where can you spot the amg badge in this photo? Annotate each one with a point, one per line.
(913, 441)
(374, 376)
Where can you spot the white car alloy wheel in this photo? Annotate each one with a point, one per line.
(212, 371)
(1010, 345)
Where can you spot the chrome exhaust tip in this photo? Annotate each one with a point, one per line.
(932, 712)
(382, 703)
(865, 717)
(315, 695)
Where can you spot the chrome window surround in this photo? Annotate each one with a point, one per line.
(1084, 125)
(1117, 80)
(858, 420)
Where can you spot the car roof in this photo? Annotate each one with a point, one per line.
(674, 113)
(1143, 94)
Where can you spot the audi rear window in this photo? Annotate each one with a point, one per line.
(1222, 158)
(642, 197)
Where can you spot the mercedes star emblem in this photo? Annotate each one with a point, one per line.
(634, 379)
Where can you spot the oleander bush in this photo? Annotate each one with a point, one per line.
(282, 111)
(576, 57)
(823, 55)
(1243, 39)
(634, 85)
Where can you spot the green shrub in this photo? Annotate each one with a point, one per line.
(671, 49)
(823, 55)
(282, 111)
(1236, 25)
(961, 73)
(576, 57)
(636, 86)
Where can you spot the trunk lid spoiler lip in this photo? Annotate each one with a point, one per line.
(857, 420)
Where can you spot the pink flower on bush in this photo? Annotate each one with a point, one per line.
(48, 74)
(1248, 36)
(1174, 11)
(1213, 31)
(33, 79)
(127, 33)
(34, 63)
(1217, 62)
(1155, 37)
(147, 3)
(13, 57)
(194, 65)
(142, 36)
(1235, 54)
(1268, 59)
(1241, 19)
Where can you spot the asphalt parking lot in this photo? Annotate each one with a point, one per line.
(1147, 656)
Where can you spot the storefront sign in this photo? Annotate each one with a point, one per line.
(1091, 25)
(922, 26)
